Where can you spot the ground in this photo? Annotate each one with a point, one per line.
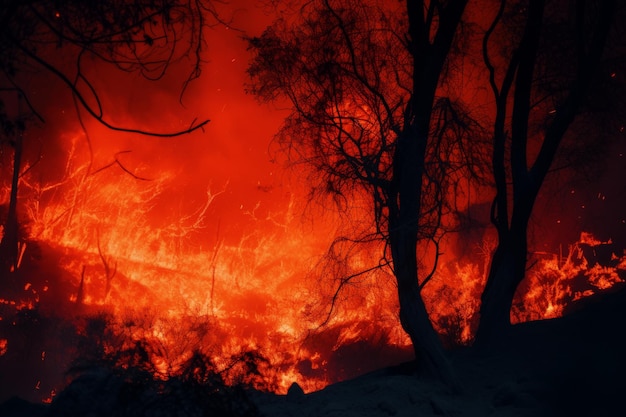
(572, 366)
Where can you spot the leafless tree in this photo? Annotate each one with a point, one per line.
(540, 74)
(369, 114)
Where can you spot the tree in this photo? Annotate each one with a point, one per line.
(541, 83)
(63, 38)
(370, 114)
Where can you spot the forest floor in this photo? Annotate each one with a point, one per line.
(571, 366)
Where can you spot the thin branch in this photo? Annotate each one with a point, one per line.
(192, 127)
(345, 281)
(118, 163)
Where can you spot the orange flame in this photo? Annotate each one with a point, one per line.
(126, 252)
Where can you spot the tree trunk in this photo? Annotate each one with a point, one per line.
(508, 269)
(429, 352)
(497, 299)
(9, 244)
(403, 237)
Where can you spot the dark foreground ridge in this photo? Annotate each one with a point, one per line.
(573, 366)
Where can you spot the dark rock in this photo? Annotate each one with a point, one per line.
(295, 393)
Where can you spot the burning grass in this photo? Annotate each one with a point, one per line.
(103, 264)
(62, 320)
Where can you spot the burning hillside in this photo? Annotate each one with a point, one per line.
(199, 254)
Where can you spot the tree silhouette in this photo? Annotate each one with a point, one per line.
(369, 115)
(63, 38)
(541, 82)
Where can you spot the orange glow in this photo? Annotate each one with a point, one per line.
(167, 283)
(199, 243)
(556, 281)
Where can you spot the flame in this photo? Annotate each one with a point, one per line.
(152, 274)
(142, 258)
(455, 301)
(555, 282)
(164, 277)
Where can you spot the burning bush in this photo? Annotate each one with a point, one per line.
(118, 374)
(198, 390)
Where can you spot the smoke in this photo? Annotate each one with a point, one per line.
(229, 157)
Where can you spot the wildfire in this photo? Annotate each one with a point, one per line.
(555, 282)
(151, 276)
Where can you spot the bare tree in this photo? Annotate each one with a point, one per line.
(63, 38)
(370, 116)
(541, 81)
